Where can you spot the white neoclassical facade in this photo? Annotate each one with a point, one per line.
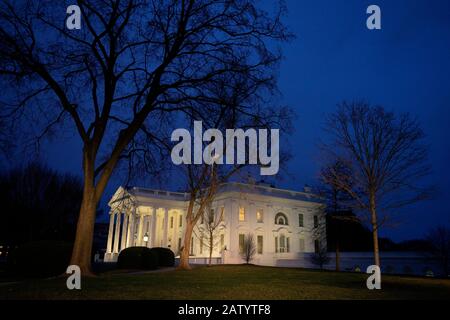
(284, 223)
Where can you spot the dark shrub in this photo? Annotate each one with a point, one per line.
(40, 258)
(137, 258)
(150, 260)
(166, 257)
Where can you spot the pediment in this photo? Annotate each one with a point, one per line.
(283, 228)
(118, 195)
(121, 200)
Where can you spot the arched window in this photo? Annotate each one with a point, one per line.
(281, 218)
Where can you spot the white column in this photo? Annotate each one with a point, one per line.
(146, 230)
(166, 226)
(117, 234)
(130, 232)
(141, 224)
(231, 223)
(176, 218)
(110, 233)
(153, 233)
(183, 226)
(123, 242)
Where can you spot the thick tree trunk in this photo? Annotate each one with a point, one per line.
(81, 254)
(82, 248)
(373, 214)
(184, 256)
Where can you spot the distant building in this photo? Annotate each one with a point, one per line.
(284, 223)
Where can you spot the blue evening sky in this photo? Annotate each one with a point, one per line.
(404, 67)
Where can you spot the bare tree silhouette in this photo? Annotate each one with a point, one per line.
(236, 101)
(338, 201)
(116, 81)
(320, 257)
(214, 223)
(248, 248)
(386, 155)
(38, 203)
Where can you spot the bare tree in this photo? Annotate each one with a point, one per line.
(214, 224)
(387, 158)
(116, 79)
(320, 257)
(38, 203)
(318, 231)
(239, 101)
(439, 240)
(337, 200)
(248, 248)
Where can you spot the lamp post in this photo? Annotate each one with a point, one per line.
(146, 239)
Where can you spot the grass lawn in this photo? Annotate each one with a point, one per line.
(231, 282)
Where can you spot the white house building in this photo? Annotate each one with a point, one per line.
(285, 224)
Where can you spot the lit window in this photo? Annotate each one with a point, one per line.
(260, 244)
(241, 214)
(259, 216)
(300, 220)
(281, 218)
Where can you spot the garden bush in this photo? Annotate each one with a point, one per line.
(138, 258)
(166, 256)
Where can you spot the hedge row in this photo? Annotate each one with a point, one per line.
(145, 258)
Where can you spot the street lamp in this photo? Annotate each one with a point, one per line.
(146, 238)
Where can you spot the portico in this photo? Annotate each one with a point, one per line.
(133, 222)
